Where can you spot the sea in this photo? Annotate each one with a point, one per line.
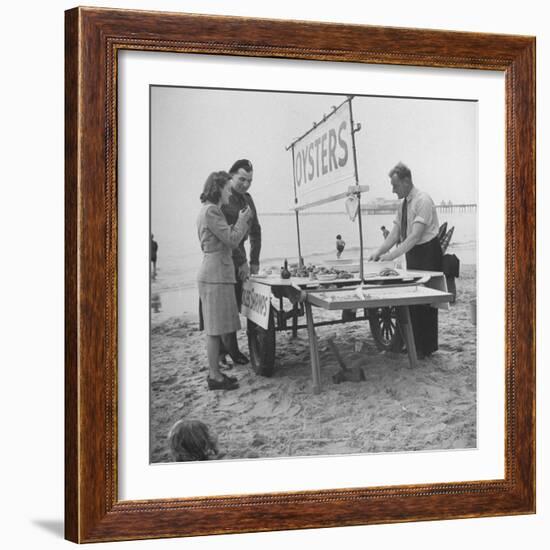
(174, 293)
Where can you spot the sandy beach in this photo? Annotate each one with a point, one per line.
(395, 409)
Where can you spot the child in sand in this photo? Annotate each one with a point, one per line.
(340, 245)
(191, 440)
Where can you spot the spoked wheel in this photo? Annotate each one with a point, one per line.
(384, 326)
(261, 344)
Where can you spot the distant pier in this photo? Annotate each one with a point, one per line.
(456, 207)
(379, 210)
(445, 208)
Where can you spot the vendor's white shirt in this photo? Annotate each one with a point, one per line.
(420, 208)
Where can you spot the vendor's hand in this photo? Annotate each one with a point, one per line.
(244, 272)
(373, 257)
(254, 269)
(386, 257)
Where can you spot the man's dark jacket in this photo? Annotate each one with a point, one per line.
(237, 202)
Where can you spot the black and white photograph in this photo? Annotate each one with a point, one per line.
(313, 274)
(171, 371)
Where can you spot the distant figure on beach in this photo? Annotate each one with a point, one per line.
(415, 232)
(153, 251)
(191, 440)
(340, 245)
(216, 277)
(241, 173)
(385, 232)
(156, 303)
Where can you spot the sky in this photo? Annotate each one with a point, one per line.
(197, 131)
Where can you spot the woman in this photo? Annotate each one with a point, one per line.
(216, 278)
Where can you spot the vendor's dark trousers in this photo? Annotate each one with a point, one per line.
(427, 256)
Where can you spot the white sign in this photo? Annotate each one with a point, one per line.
(256, 303)
(323, 159)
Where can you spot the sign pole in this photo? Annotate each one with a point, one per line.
(296, 211)
(353, 130)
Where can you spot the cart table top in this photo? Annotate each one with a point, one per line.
(377, 297)
(305, 283)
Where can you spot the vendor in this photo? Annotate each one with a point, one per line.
(415, 231)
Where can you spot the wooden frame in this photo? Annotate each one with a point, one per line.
(93, 39)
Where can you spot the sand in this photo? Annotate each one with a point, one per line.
(395, 409)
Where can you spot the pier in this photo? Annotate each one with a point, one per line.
(382, 209)
(456, 207)
(444, 208)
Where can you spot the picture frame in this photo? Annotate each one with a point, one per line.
(93, 511)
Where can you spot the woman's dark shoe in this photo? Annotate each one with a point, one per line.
(226, 384)
(239, 358)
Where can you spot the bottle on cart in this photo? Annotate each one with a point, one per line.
(285, 273)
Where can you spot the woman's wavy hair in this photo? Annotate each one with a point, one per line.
(190, 440)
(212, 190)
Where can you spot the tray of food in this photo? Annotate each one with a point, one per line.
(313, 272)
(323, 277)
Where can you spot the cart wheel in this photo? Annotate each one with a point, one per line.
(384, 326)
(261, 344)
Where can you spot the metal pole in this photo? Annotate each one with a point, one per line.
(296, 211)
(361, 258)
(299, 243)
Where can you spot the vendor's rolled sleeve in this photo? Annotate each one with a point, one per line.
(423, 210)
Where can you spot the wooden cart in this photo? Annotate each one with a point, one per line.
(384, 304)
(267, 306)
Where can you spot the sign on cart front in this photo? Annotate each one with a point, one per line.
(256, 303)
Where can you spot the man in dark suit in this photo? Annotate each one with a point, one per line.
(241, 179)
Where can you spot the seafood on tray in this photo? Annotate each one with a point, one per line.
(330, 273)
(314, 272)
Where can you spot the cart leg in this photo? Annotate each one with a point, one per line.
(405, 318)
(295, 321)
(313, 351)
